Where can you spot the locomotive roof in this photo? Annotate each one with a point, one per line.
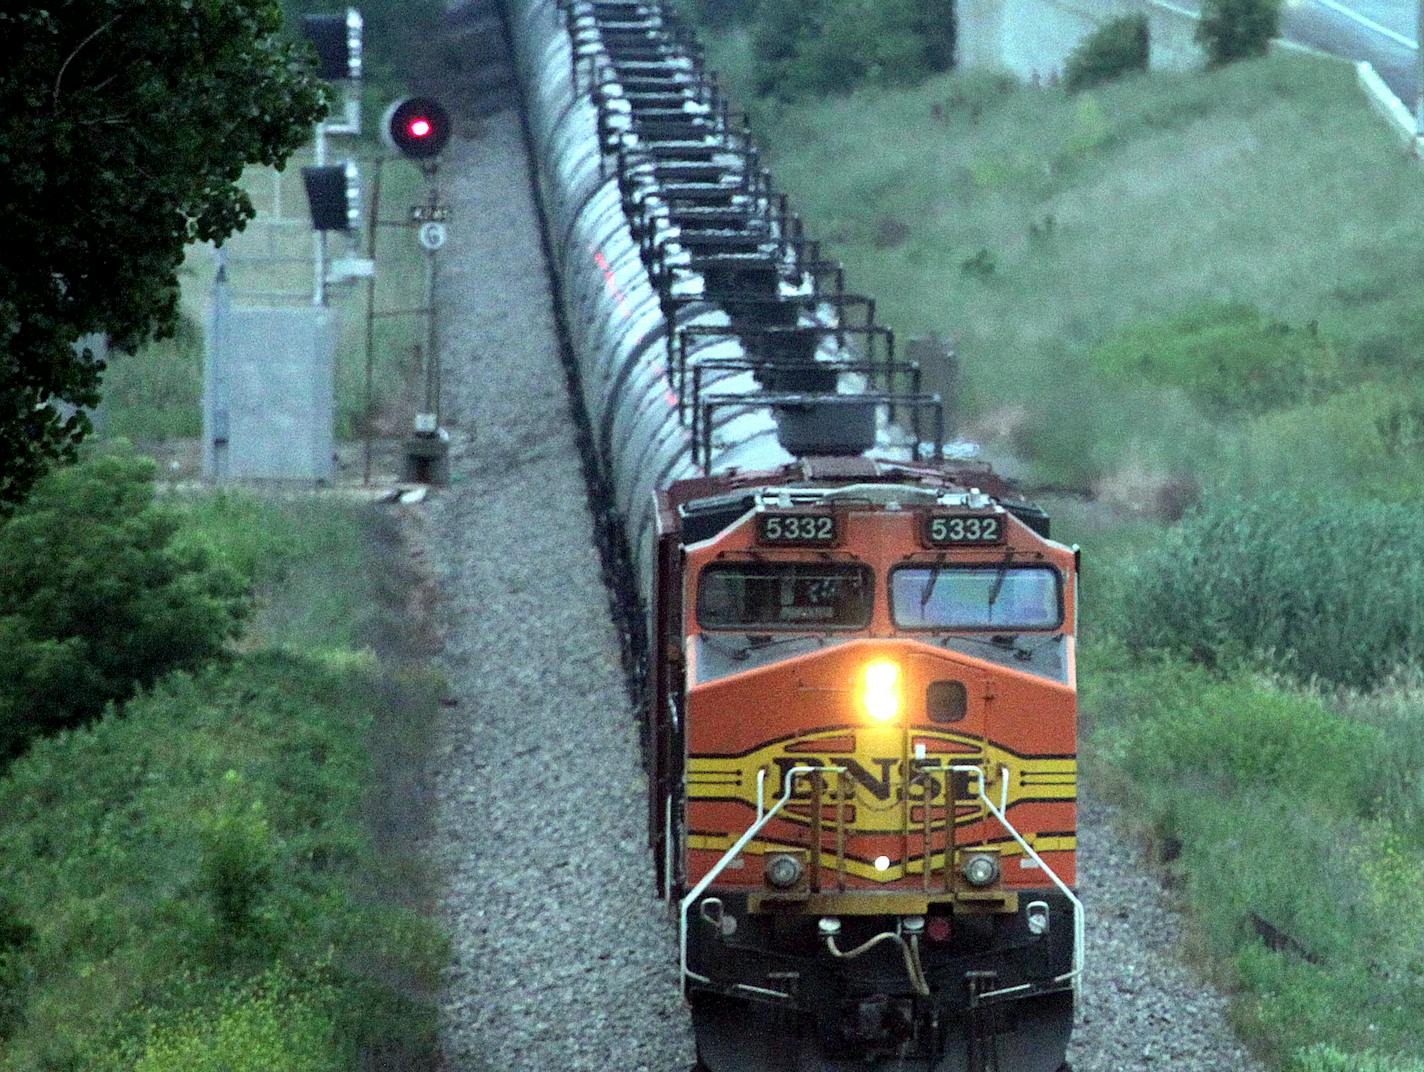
(720, 494)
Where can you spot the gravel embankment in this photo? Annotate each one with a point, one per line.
(1142, 1007)
(562, 959)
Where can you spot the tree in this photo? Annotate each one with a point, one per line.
(806, 47)
(1232, 30)
(1118, 47)
(934, 22)
(124, 129)
(101, 595)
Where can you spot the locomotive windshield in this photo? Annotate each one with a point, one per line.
(976, 597)
(784, 595)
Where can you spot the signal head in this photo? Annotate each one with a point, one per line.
(418, 128)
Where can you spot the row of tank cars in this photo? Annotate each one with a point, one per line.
(858, 669)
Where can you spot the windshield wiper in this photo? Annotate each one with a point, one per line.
(928, 589)
(1011, 642)
(999, 580)
(739, 652)
(763, 641)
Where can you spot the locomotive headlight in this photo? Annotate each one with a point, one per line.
(783, 871)
(880, 689)
(980, 869)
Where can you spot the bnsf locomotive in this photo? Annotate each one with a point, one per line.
(858, 656)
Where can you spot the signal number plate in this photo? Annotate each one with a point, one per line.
(950, 529)
(804, 530)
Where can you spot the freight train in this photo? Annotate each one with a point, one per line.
(858, 666)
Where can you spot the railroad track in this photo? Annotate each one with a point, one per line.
(561, 958)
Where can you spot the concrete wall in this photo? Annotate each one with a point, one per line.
(1034, 38)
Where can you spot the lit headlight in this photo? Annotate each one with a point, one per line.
(880, 689)
(980, 869)
(783, 871)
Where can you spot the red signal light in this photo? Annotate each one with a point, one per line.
(418, 127)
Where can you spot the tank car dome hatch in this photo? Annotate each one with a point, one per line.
(843, 424)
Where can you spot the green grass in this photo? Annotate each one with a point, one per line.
(308, 559)
(157, 393)
(1209, 277)
(1051, 235)
(1267, 802)
(1311, 587)
(1279, 807)
(192, 882)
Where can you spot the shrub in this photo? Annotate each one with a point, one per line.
(237, 860)
(153, 885)
(1232, 30)
(15, 935)
(99, 597)
(1228, 358)
(1223, 771)
(1234, 736)
(719, 12)
(1118, 47)
(1319, 589)
(819, 46)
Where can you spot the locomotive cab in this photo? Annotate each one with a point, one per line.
(865, 772)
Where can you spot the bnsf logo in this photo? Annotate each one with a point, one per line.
(881, 778)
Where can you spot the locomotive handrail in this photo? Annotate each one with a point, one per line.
(836, 365)
(1074, 975)
(731, 854)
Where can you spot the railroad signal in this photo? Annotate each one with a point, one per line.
(418, 128)
(333, 194)
(337, 40)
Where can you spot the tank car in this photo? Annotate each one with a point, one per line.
(858, 656)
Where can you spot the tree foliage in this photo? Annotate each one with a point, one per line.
(99, 598)
(1232, 30)
(1117, 47)
(817, 46)
(124, 129)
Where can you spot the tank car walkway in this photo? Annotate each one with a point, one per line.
(562, 960)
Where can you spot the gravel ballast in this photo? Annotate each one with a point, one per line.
(562, 960)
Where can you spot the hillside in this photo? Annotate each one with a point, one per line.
(1194, 293)
(1209, 275)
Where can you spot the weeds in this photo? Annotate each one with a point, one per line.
(191, 879)
(1258, 208)
(1287, 820)
(1313, 587)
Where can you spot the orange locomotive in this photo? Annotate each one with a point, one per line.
(864, 737)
